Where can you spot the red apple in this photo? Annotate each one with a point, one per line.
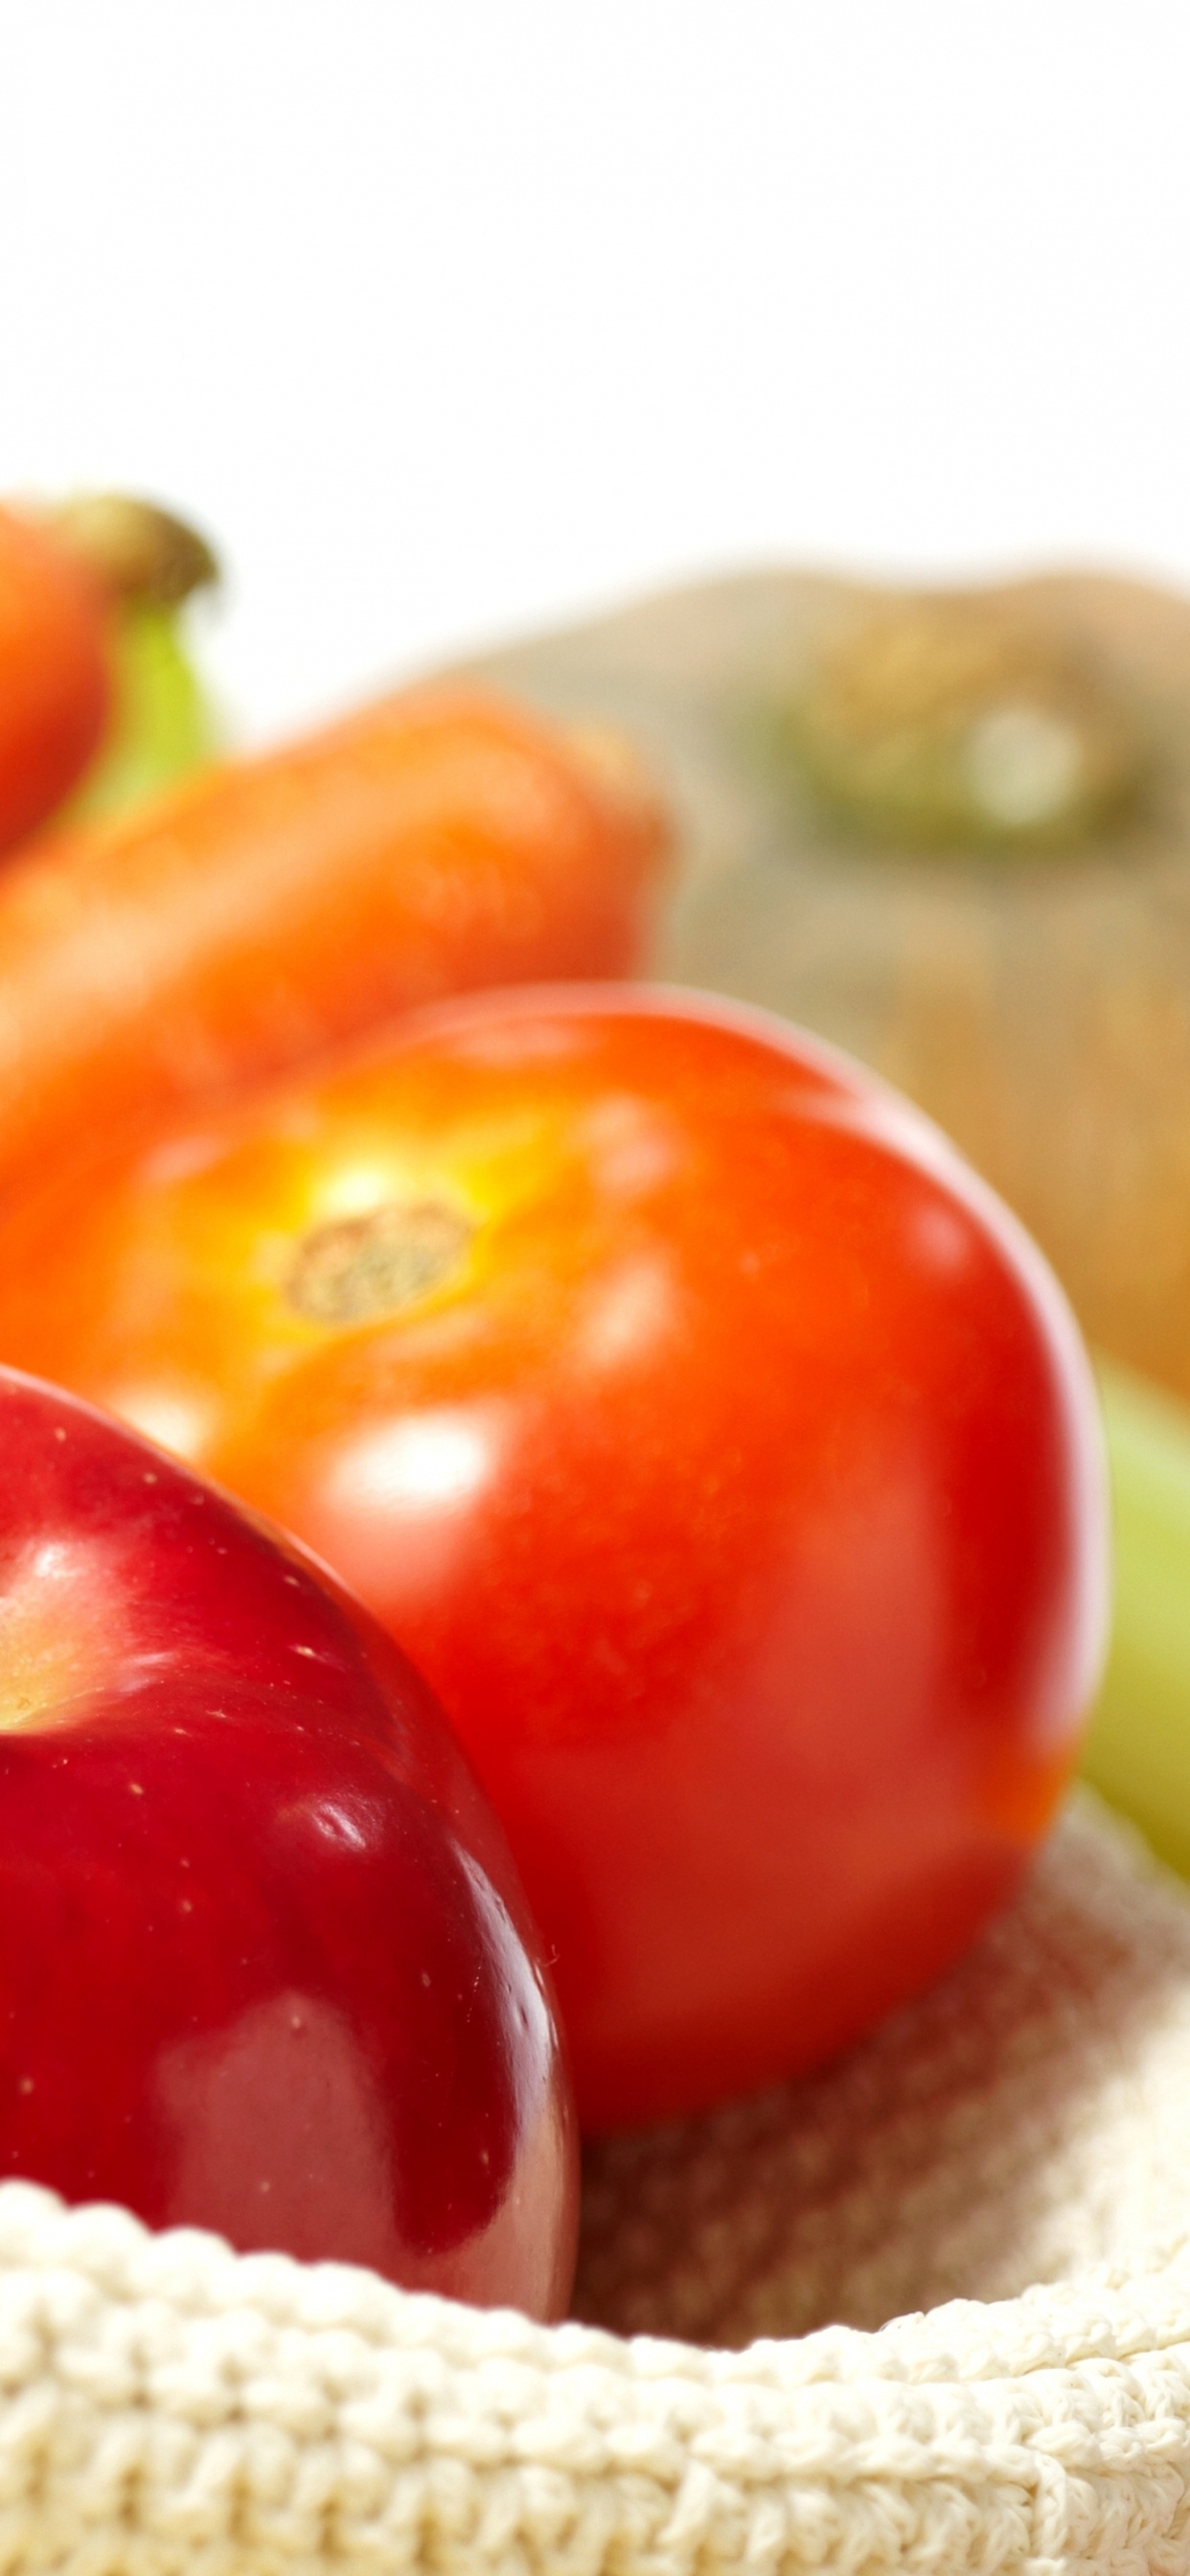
(265, 1966)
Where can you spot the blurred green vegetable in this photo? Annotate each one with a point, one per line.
(1138, 1750)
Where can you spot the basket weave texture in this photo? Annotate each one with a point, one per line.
(1016, 2146)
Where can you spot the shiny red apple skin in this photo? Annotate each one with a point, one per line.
(265, 1966)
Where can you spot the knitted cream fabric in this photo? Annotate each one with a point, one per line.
(169, 2406)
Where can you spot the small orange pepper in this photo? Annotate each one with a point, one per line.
(54, 673)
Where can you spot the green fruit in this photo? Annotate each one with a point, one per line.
(1138, 1750)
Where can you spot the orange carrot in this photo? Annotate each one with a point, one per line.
(438, 841)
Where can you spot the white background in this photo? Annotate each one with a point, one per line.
(447, 316)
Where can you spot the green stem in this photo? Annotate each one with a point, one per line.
(163, 724)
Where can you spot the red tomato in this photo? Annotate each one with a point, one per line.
(719, 1447)
(55, 682)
